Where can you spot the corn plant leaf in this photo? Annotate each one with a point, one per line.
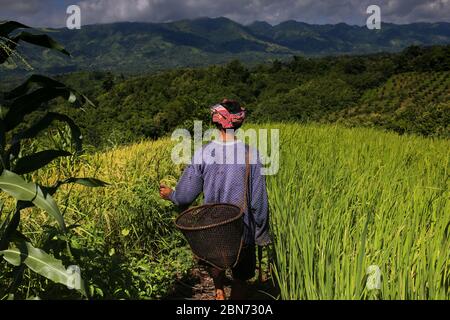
(33, 80)
(46, 82)
(19, 236)
(43, 124)
(10, 229)
(87, 182)
(43, 264)
(6, 50)
(41, 40)
(23, 100)
(6, 27)
(38, 160)
(18, 188)
(30, 102)
(3, 110)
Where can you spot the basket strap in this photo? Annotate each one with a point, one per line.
(246, 181)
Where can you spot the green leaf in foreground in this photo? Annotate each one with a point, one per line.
(43, 264)
(38, 160)
(42, 124)
(6, 27)
(41, 40)
(17, 187)
(87, 182)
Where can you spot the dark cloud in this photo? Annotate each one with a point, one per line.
(20, 7)
(52, 12)
(47, 13)
(415, 10)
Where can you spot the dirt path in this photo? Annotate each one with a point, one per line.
(198, 285)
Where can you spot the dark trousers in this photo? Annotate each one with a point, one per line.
(243, 270)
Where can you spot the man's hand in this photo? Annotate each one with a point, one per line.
(164, 192)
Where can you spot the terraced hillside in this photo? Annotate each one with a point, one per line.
(414, 101)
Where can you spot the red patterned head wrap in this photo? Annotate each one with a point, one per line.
(228, 114)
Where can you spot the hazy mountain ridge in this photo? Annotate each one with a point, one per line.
(140, 47)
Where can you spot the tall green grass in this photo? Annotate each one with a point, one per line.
(345, 199)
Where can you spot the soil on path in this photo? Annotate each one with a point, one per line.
(198, 285)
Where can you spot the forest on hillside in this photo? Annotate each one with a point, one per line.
(134, 47)
(408, 92)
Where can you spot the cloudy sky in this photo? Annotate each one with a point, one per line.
(52, 13)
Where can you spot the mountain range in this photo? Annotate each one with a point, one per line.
(134, 47)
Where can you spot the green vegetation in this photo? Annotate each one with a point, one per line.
(18, 191)
(121, 236)
(409, 102)
(130, 254)
(345, 199)
(406, 92)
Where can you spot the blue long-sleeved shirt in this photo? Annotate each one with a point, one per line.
(218, 169)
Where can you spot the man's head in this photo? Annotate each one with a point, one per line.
(228, 114)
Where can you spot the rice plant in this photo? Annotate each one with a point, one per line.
(347, 199)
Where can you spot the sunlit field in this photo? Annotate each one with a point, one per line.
(343, 200)
(347, 199)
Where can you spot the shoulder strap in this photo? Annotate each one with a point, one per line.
(247, 178)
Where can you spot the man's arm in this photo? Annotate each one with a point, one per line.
(188, 188)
